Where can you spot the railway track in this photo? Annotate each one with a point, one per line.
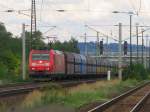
(143, 104)
(131, 101)
(14, 89)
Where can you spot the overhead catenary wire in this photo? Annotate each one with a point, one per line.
(53, 27)
(105, 35)
(138, 33)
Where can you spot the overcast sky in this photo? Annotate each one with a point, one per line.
(78, 14)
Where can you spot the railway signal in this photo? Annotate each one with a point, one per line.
(101, 48)
(125, 48)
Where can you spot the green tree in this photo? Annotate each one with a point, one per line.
(36, 41)
(3, 70)
(10, 52)
(68, 46)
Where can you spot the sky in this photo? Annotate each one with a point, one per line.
(97, 14)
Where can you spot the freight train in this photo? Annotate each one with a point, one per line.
(53, 64)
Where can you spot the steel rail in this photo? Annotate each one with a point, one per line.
(141, 103)
(16, 91)
(13, 90)
(102, 107)
(10, 90)
(15, 84)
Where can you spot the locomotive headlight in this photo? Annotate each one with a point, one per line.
(33, 64)
(33, 68)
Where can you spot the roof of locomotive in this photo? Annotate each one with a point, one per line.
(40, 51)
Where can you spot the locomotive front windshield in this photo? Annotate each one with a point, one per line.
(40, 57)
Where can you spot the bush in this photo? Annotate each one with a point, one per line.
(135, 71)
(3, 70)
(7, 76)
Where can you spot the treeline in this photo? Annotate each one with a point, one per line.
(68, 46)
(38, 43)
(11, 50)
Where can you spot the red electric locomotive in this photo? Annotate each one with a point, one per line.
(43, 63)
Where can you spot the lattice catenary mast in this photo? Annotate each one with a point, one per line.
(33, 22)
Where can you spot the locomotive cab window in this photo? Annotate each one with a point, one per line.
(40, 57)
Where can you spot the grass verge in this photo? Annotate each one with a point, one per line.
(77, 96)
